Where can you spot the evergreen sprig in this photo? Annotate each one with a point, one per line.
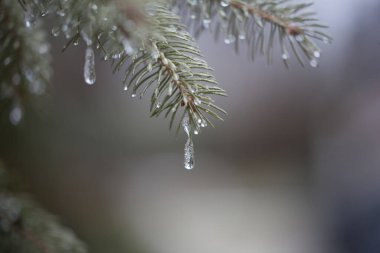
(260, 23)
(149, 41)
(24, 60)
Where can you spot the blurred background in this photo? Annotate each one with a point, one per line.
(294, 168)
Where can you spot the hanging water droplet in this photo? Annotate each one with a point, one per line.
(196, 132)
(317, 54)
(55, 31)
(155, 54)
(225, 3)
(229, 39)
(158, 105)
(29, 18)
(242, 36)
(206, 23)
(133, 95)
(204, 123)
(61, 13)
(197, 101)
(285, 56)
(125, 87)
(186, 124)
(314, 63)
(16, 115)
(189, 154)
(89, 66)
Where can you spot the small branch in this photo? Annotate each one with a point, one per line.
(290, 28)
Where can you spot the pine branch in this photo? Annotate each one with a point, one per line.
(25, 227)
(24, 60)
(296, 28)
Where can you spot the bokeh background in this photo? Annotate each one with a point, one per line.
(294, 168)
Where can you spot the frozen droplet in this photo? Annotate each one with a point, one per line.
(133, 95)
(225, 3)
(16, 115)
(61, 13)
(186, 124)
(314, 63)
(89, 66)
(29, 18)
(242, 36)
(229, 39)
(155, 54)
(189, 154)
(43, 48)
(206, 23)
(55, 31)
(317, 54)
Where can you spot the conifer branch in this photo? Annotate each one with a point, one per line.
(295, 27)
(24, 60)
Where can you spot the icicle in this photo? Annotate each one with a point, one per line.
(189, 154)
(89, 66)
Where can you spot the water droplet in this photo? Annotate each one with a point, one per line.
(229, 39)
(314, 63)
(155, 54)
(94, 7)
(29, 18)
(125, 87)
(61, 13)
(197, 101)
(196, 132)
(89, 66)
(16, 115)
(206, 23)
(204, 124)
(149, 67)
(189, 154)
(225, 3)
(158, 105)
(193, 16)
(285, 56)
(242, 36)
(317, 54)
(133, 95)
(55, 31)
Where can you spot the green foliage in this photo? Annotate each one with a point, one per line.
(147, 40)
(24, 60)
(27, 228)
